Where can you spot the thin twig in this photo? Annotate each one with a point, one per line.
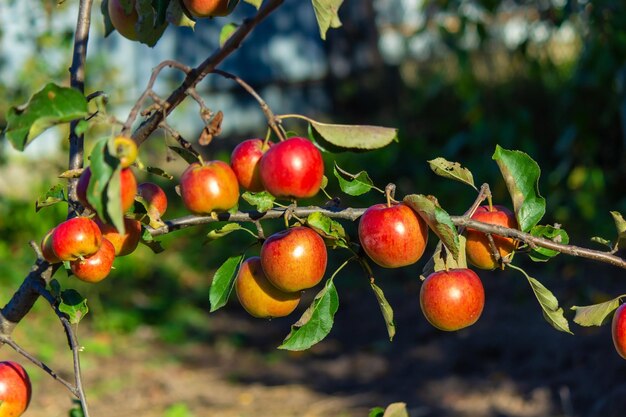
(132, 116)
(9, 341)
(196, 75)
(269, 114)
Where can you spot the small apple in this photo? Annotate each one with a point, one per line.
(478, 251)
(452, 300)
(209, 187)
(15, 389)
(258, 296)
(294, 259)
(96, 267)
(293, 168)
(155, 198)
(210, 8)
(123, 22)
(618, 330)
(128, 188)
(46, 248)
(245, 163)
(393, 236)
(124, 244)
(76, 238)
(125, 150)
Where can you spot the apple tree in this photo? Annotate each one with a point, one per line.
(281, 177)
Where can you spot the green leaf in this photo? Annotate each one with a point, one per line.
(108, 26)
(396, 410)
(223, 282)
(55, 288)
(596, 314)
(54, 195)
(188, 154)
(176, 16)
(151, 23)
(255, 3)
(339, 138)
(385, 309)
(148, 240)
(158, 171)
(452, 170)
(441, 259)
(316, 322)
(326, 13)
(226, 32)
(602, 241)
(376, 412)
(263, 201)
(437, 219)
(74, 305)
(351, 184)
(325, 226)
(555, 234)
(620, 225)
(548, 302)
(521, 174)
(226, 230)
(104, 189)
(51, 106)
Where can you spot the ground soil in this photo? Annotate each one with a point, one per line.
(511, 363)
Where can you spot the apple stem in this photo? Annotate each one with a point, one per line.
(390, 191)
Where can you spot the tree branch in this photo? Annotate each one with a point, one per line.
(208, 65)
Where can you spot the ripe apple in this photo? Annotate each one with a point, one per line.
(128, 188)
(452, 300)
(618, 330)
(245, 163)
(393, 236)
(123, 22)
(123, 244)
(15, 389)
(155, 198)
(209, 187)
(294, 259)
(293, 168)
(258, 296)
(478, 251)
(76, 238)
(96, 267)
(210, 8)
(46, 248)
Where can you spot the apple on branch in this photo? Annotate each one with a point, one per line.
(208, 187)
(15, 389)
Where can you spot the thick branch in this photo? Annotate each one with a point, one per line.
(77, 81)
(207, 66)
(529, 239)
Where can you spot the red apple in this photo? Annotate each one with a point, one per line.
(123, 22)
(123, 244)
(618, 330)
(76, 238)
(294, 259)
(46, 248)
(15, 389)
(478, 251)
(96, 267)
(209, 187)
(258, 296)
(293, 168)
(452, 300)
(393, 236)
(128, 185)
(210, 8)
(155, 198)
(245, 163)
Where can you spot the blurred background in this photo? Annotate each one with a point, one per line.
(456, 77)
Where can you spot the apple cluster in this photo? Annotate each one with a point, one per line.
(90, 245)
(126, 23)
